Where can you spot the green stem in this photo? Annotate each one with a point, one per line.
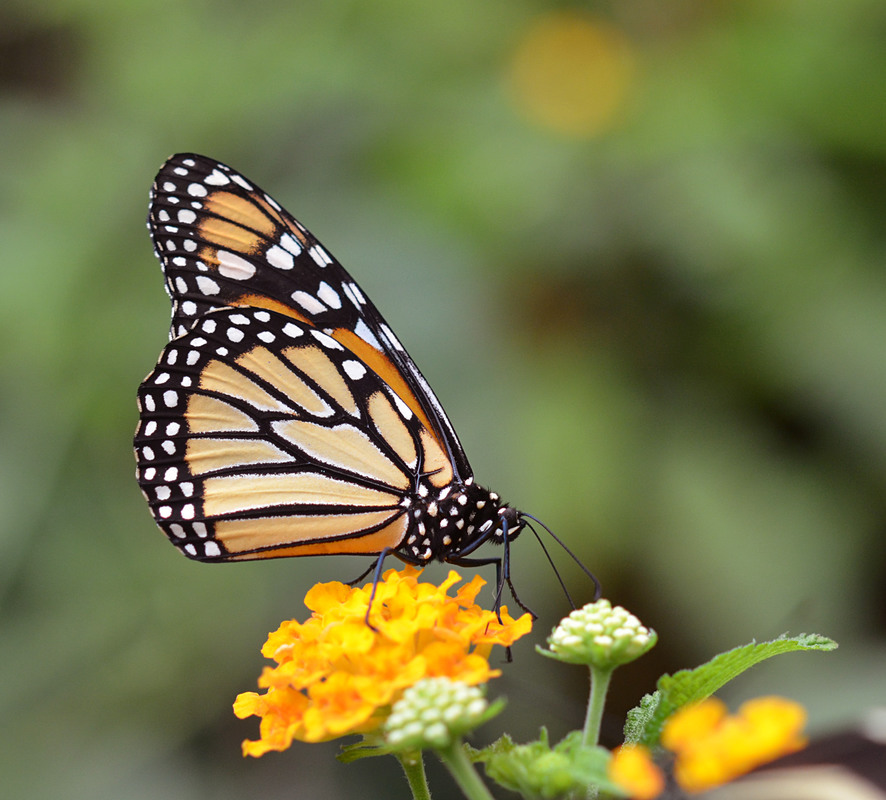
(414, 767)
(457, 762)
(599, 686)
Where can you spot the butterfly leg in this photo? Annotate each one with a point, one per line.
(362, 575)
(376, 569)
(376, 577)
(500, 580)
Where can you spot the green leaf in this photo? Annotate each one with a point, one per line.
(369, 746)
(541, 772)
(692, 685)
(640, 718)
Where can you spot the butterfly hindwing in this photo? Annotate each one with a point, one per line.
(261, 436)
(223, 242)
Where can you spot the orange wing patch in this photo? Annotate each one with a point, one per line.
(390, 426)
(238, 213)
(262, 363)
(342, 534)
(236, 494)
(207, 414)
(343, 447)
(224, 379)
(313, 361)
(385, 369)
(207, 455)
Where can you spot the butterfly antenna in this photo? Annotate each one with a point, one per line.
(553, 565)
(598, 589)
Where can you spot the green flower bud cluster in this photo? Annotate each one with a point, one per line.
(434, 713)
(601, 636)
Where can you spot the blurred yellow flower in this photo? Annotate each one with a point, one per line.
(632, 768)
(712, 747)
(336, 676)
(572, 73)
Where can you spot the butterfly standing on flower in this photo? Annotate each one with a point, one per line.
(284, 418)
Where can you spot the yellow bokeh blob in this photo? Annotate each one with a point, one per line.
(572, 73)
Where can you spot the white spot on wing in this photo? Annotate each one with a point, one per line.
(392, 340)
(353, 292)
(230, 265)
(362, 330)
(280, 258)
(326, 340)
(354, 369)
(328, 295)
(206, 285)
(308, 302)
(216, 178)
(405, 410)
(320, 256)
(290, 243)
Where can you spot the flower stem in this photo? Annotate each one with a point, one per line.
(599, 686)
(457, 762)
(414, 768)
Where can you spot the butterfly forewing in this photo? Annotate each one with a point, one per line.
(261, 436)
(224, 242)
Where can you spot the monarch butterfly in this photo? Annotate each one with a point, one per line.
(284, 417)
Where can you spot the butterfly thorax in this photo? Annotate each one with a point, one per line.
(444, 523)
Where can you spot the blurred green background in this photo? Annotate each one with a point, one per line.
(637, 248)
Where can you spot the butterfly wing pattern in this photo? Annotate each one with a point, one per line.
(284, 417)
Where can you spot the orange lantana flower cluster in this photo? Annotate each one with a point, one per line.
(336, 676)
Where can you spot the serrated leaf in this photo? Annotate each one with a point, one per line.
(541, 772)
(639, 718)
(692, 685)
